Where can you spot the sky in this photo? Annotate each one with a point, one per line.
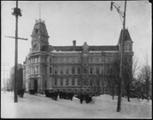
(83, 21)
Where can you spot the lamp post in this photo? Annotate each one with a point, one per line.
(123, 15)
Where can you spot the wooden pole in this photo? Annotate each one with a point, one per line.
(16, 57)
(121, 62)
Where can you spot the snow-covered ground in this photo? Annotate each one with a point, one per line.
(39, 106)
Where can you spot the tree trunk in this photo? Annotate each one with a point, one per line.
(128, 96)
(113, 93)
(147, 88)
(119, 97)
(128, 93)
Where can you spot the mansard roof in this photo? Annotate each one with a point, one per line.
(40, 28)
(127, 36)
(80, 48)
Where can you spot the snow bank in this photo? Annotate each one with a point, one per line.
(39, 106)
(134, 109)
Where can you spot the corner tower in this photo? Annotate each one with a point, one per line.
(36, 62)
(128, 47)
(39, 37)
(127, 58)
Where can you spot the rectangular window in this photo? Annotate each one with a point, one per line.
(90, 82)
(63, 60)
(73, 70)
(50, 69)
(55, 72)
(78, 70)
(55, 81)
(91, 71)
(79, 82)
(67, 71)
(61, 82)
(97, 70)
(97, 60)
(90, 60)
(85, 70)
(61, 72)
(37, 69)
(76, 81)
(32, 70)
(73, 81)
(58, 60)
(35, 60)
(38, 59)
(67, 81)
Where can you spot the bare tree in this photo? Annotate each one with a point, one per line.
(131, 69)
(132, 75)
(145, 76)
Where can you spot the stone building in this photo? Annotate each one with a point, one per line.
(74, 67)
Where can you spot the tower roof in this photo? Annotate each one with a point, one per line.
(127, 36)
(40, 28)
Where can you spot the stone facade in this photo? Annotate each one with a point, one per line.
(72, 68)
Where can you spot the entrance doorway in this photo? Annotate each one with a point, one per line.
(35, 85)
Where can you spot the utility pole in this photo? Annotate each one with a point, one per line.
(121, 63)
(16, 13)
(123, 15)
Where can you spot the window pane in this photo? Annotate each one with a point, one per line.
(73, 82)
(67, 81)
(50, 69)
(73, 70)
(55, 81)
(61, 82)
(78, 70)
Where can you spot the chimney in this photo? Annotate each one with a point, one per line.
(74, 42)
